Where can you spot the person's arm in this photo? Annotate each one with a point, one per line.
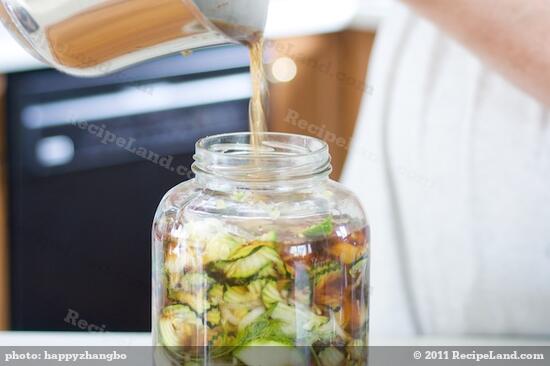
(513, 36)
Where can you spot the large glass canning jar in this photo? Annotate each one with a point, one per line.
(261, 249)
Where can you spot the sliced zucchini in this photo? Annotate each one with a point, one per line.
(286, 314)
(245, 251)
(251, 317)
(327, 282)
(263, 327)
(270, 294)
(331, 356)
(174, 265)
(321, 269)
(213, 317)
(191, 289)
(220, 346)
(359, 266)
(192, 282)
(180, 312)
(168, 335)
(212, 238)
(256, 286)
(215, 294)
(232, 316)
(322, 229)
(299, 322)
(267, 272)
(331, 332)
(265, 352)
(177, 324)
(220, 247)
(239, 295)
(250, 265)
(196, 301)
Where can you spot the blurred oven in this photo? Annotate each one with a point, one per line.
(89, 161)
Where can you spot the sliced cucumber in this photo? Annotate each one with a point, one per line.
(265, 352)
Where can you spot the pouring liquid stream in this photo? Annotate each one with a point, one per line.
(258, 102)
(254, 40)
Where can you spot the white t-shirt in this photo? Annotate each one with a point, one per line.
(452, 164)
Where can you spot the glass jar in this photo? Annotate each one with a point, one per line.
(260, 249)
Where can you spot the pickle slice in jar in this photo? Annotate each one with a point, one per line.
(191, 289)
(308, 289)
(213, 317)
(328, 284)
(322, 229)
(359, 267)
(178, 324)
(271, 294)
(250, 260)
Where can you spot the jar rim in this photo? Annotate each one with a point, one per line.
(279, 157)
(206, 142)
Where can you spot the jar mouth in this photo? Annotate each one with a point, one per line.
(278, 157)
